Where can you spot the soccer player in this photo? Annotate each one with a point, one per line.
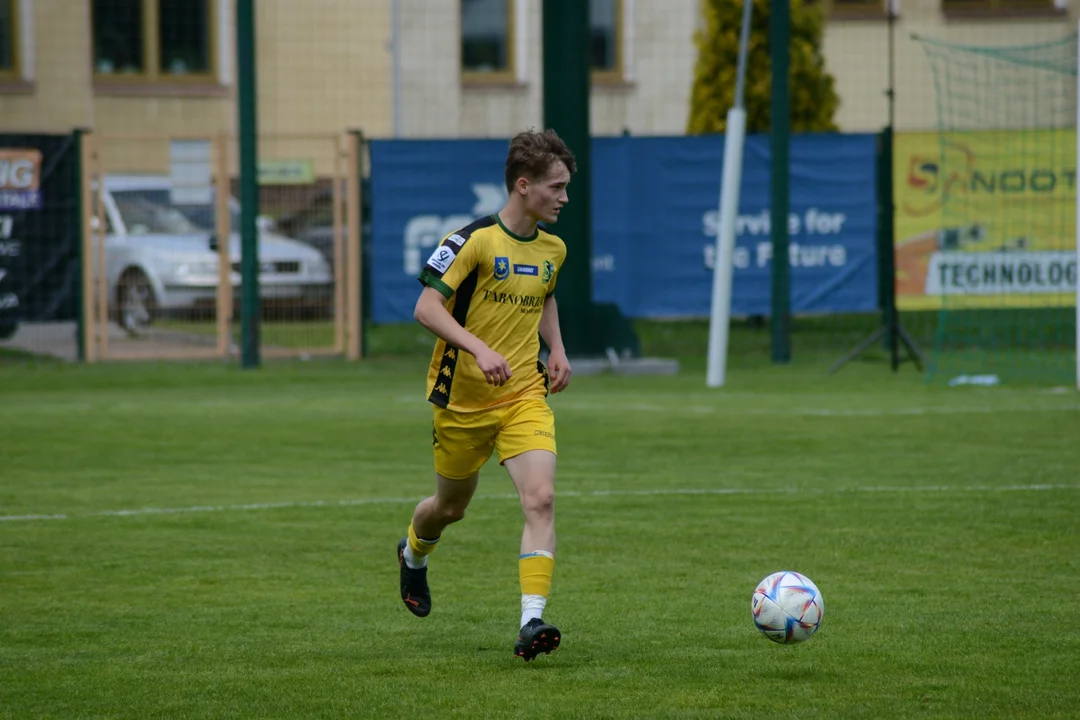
(488, 297)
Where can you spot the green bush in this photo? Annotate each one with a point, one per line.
(813, 95)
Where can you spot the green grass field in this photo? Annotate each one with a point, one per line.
(198, 541)
(318, 334)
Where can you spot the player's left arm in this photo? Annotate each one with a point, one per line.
(558, 365)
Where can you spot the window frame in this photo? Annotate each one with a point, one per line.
(15, 72)
(19, 79)
(617, 74)
(152, 76)
(961, 9)
(507, 76)
(857, 11)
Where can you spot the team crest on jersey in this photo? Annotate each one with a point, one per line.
(502, 268)
(549, 272)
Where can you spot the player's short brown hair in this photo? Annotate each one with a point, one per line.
(533, 153)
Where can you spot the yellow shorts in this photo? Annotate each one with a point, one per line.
(463, 441)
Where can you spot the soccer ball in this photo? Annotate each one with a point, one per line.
(787, 607)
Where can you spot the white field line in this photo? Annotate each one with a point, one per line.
(813, 412)
(564, 494)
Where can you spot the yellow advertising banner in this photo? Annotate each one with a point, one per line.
(985, 219)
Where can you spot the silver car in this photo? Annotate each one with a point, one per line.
(161, 258)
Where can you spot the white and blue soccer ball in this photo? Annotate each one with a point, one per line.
(787, 607)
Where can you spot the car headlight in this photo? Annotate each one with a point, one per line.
(318, 267)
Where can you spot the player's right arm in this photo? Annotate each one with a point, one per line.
(442, 275)
(431, 312)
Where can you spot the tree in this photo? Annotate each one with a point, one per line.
(813, 94)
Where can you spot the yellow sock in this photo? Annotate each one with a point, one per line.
(419, 548)
(535, 570)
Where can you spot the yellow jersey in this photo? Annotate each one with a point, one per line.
(496, 284)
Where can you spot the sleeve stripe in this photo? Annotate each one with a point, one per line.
(429, 279)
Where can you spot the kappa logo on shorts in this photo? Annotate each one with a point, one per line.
(502, 268)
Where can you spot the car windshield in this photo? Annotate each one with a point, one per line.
(148, 212)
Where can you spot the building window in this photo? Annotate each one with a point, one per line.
(9, 35)
(488, 29)
(153, 40)
(606, 40)
(487, 47)
(184, 30)
(119, 37)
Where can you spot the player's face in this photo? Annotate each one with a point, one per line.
(545, 197)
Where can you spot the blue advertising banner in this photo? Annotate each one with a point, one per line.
(421, 191)
(655, 215)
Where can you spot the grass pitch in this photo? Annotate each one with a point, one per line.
(194, 541)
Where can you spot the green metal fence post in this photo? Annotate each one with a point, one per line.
(886, 248)
(250, 310)
(779, 41)
(80, 319)
(566, 110)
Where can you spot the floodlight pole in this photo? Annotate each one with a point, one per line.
(734, 139)
(891, 330)
(888, 278)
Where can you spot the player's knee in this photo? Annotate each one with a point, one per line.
(451, 512)
(539, 502)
